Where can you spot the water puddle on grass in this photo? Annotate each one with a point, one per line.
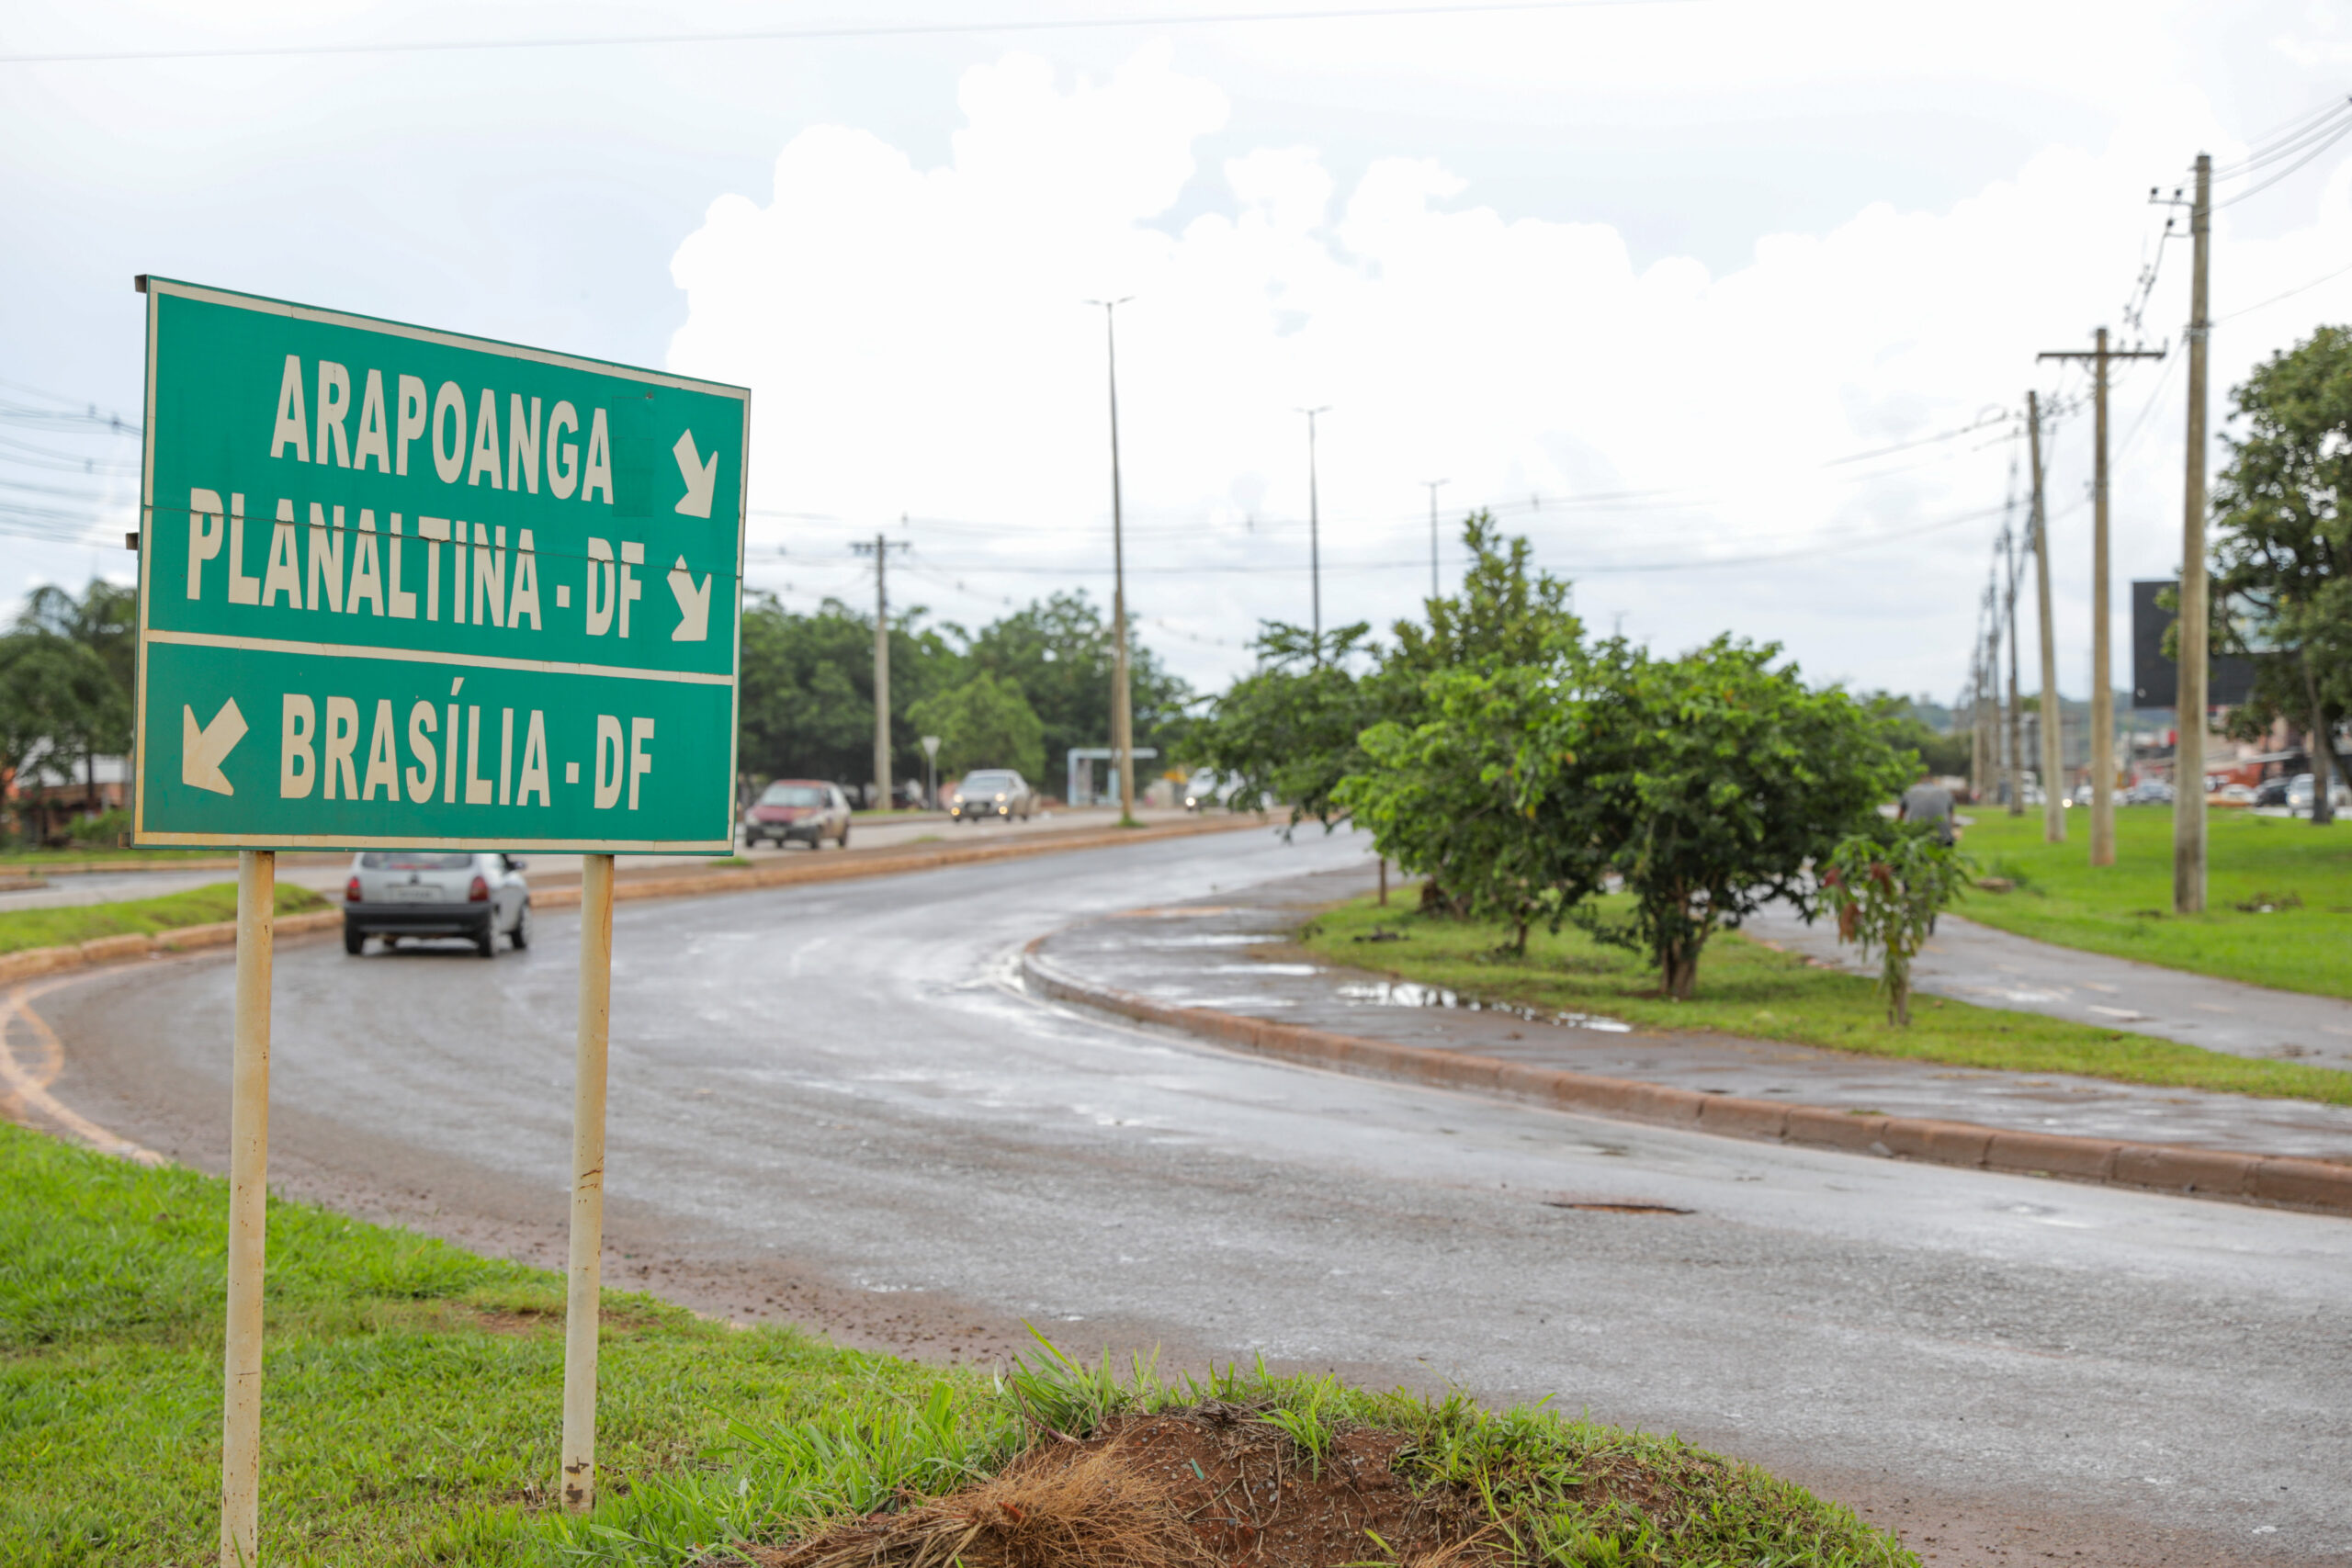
(1412, 994)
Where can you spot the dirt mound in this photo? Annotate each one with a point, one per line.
(1213, 1485)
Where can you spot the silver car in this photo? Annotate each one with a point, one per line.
(398, 893)
(998, 793)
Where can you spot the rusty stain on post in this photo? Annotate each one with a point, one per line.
(578, 1484)
(248, 1214)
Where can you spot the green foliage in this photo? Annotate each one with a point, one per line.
(65, 925)
(807, 693)
(1059, 650)
(984, 723)
(1712, 780)
(2282, 544)
(1454, 797)
(413, 1392)
(1886, 888)
(1939, 752)
(1290, 729)
(1287, 730)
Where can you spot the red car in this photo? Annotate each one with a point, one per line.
(808, 809)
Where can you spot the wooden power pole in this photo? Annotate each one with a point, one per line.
(2189, 703)
(2054, 756)
(2013, 729)
(2102, 658)
(880, 549)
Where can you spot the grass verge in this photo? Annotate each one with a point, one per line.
(93, 855)
(412, 1395)
(1749, 989)
(72, 923)
(2278, 903)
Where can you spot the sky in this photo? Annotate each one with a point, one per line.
(1729, 305)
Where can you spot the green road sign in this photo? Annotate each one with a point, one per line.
(401, 587)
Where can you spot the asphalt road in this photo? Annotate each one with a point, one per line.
(835, 1104)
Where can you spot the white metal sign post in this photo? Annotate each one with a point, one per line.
(431, 564)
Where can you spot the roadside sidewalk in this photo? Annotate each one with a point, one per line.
(1992, 969)
(1196, 959)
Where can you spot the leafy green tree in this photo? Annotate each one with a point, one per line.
(60, 705)
(2282, 546)
(1886, 885)
(1058, 649)
(104, 619)
(1454, 798)
(984, 723)
(806, 703)
(1939, 752)
(1288, 730)
(1712, 780)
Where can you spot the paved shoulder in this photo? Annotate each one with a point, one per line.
(1977, 964)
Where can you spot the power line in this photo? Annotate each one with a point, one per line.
(833, 34)
(2290, 294)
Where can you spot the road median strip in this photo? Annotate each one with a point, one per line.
(30, 963)
(2317, 1185)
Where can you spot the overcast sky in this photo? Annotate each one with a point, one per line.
(1644, 277)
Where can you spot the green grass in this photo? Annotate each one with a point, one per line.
(90, 854)
(413, 1394)
(1749, 989)
(85, 922)
(2126, 908)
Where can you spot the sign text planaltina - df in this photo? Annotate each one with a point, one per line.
(400, 587)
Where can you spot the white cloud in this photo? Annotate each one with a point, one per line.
(918, 346)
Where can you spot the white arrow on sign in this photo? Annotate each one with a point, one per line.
(203, 750)
(694, 603)
(701, 475)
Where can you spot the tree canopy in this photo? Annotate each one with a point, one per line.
(2282, 544)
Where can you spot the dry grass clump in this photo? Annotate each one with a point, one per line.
(1097, 1512)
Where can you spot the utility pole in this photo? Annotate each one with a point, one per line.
(880, 549)
(2009, 611)
(1123, 724)
(1433, 487)
(2102, 664)
(1315, 530)
(2188, 704)
(2054, 758)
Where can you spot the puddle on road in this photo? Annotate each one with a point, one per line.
(1219, 939)
(1411, 994)
(1263, 969)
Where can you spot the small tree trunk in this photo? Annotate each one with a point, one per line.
(1384, 882)
(2327, 768)
(1898, 998)
(1518, 943)
(1680, 977)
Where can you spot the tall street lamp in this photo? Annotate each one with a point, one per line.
(1433, 485)
(1315, 530)
(1123, 747)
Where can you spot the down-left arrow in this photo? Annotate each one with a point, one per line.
(203, 750)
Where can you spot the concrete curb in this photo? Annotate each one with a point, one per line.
(28, 963)
(2315, 1185)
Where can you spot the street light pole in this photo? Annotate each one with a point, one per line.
(1123, 741)
(1315, 530)
(1433, 485)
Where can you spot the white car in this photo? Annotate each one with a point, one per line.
(2300, 792)
(398, 895)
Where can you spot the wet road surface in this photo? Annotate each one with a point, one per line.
(836, 1104)
(1233, 956)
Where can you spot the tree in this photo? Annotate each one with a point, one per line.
(2282, 546)
(984, 723)
(59, 704)
(1713, 781)
(104, 620)
(1290, 729)
(1887, 883)
(1287, 730)
(806, 707)
(1456, 799)
(1058, 649)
